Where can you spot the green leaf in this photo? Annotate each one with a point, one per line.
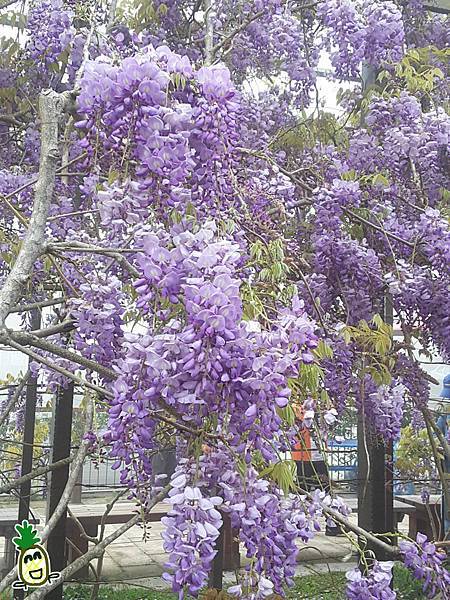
(323, 350)
(380, 180)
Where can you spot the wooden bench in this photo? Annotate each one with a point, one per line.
(400, 509)
(90, 516)
(8, 519)
(421, 519)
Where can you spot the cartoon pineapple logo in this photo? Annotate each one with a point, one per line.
(33, 562)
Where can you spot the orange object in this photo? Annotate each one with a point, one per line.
(302, 449)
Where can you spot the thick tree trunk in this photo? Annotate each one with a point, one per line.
(52, 107)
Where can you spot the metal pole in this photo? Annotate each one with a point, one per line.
(62, 433)
(28, 441)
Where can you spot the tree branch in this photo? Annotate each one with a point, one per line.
(97, 550)
(209, 32)
(14, 398)
(26, 339)
(111, 14)
(117, 254)
(229, 38)
(35, 180)
(66, 495)
(51, 365)
(52, 107)
(353, 215)
(7, 487)
(64, 327)
(33, 305)
(336, 516)
(6, 3)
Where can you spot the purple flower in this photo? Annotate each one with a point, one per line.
(374, 585)
(426, 563)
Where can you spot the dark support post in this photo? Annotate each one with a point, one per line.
(376, 475)
(372, 496)
(390, 523)
(28, 441)
(62, 434)
(216, 575)
(28, 432)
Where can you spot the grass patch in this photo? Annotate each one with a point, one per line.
(323, 586)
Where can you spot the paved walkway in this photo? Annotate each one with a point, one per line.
(130, 558)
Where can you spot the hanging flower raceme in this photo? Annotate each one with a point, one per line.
(375, 585)
(192, 529)
(371, 32)
(267, 522)
(99, 317)
(203, 359)
(177, 125)
(50, 31)
(426, 563)
(384, 409)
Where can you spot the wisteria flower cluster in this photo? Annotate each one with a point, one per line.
(191, 138)
(192, 528)
(205, 359)
(99, 318)
(384, 409)
(373, 32)
(426, 563)
(375, 585)
(267, 522)
(214, 240)
(51, 32)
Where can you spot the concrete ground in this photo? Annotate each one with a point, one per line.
(132, 559)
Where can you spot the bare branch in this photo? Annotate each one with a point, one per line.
(26, 339)
(336, 516)
(353, 215)
(109, 507)
(83, 533)
(209, 32)
(35, 180)
(51, 365)
(111, 14)
(291, 174)
(229, 38)
(14, 398)
(52, 107)
(64, 327)
(97, 550)
(33, 305)
(11, 119)
(6, 3)
(66, 495)
(7, 487)
(115, 253)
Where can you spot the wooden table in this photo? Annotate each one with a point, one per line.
(8, 519)
(425, 516)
